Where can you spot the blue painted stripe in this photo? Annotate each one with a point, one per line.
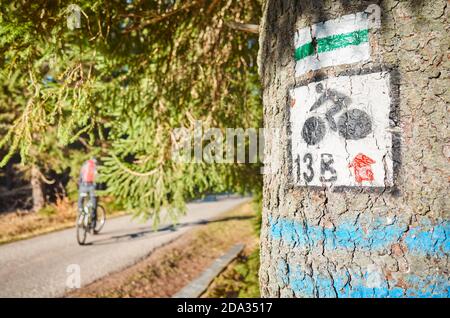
(423, 240)
(352, 285)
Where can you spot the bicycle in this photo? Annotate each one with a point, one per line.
(84, 222)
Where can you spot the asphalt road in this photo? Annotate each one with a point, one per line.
(45, 266)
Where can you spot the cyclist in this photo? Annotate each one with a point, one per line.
(86, 186)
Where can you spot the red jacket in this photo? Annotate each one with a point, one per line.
(88, 172)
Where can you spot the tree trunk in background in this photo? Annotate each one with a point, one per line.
(374, 222)
(36, 188)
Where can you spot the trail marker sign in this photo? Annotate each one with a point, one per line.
(341, 133)
(334, 42)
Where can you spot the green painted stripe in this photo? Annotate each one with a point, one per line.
(338, 41)
(304, 51)
(332, 42)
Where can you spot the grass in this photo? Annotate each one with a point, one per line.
(239, 280)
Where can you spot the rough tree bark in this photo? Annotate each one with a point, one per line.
(360, 241)
(36, 189)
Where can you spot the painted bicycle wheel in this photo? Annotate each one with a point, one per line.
(313, 130)
(354, 124)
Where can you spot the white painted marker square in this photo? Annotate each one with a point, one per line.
(340, 132)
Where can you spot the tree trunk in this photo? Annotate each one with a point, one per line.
(355, 197)
(36, 189)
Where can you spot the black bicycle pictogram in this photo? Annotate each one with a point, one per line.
(353, 124)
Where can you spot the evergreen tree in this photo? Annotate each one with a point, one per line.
(131, 73)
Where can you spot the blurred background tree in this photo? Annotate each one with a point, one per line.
(118, 85)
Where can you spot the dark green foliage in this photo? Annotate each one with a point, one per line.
(120, 84)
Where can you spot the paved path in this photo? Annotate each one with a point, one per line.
(38, 267)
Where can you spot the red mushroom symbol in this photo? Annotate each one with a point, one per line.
(362, 167)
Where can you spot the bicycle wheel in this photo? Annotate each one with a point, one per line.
(81, 229)
(354, 124)
(313, 130)
(101, 219)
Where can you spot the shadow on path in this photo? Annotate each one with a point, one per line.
(143, 232)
